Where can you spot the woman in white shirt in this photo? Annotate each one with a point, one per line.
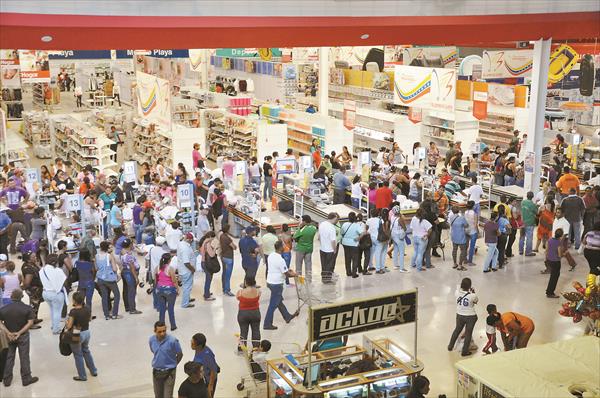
(416, 186)
(465, 315)
(421, 229)
(473, 223)
(53, 279)
(357, 192)
(398, 228)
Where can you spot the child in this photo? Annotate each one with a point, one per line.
(490, 329)
(258, 361)
(554, 251)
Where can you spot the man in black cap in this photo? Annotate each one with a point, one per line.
(16, 319)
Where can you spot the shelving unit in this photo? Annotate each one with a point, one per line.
(230, 134)
(81, 144)
(16, 149)
(186, 115)
(359, 94)
(38, 95)
(12, 103)
(440, 131)
(104, 119)
(37, 133)
(445, 129)
(497, 129)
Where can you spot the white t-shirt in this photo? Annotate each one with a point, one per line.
(52, 278)
(356, 191)
(471, 217)
(475, 192)
(277, 269)
(327, 235)
(373, 224)
(465, 302)
(560, 223)
(173, 236)
(153, 255)
(419, 228)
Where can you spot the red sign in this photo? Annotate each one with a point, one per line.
(415, 115)
(480, 104)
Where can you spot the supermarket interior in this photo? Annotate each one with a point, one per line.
(291, 199)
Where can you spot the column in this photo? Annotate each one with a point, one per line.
(204, 70)
(323, 92)
(537, 108)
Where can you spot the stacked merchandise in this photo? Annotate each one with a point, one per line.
(151, 142)
(106, 118)
(37, 133)
(240, 106)
(186, 115)
(497, 130)
(38, 95)
(12, 101)
(230, 134)
(81, 144)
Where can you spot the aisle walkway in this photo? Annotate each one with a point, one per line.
(120, 347)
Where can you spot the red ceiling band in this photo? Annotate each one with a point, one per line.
(127, 32)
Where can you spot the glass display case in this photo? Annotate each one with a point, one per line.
(332, 373)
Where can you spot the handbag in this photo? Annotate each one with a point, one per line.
(382, 235)
(365, 242)
(212, 265)
(63, 346)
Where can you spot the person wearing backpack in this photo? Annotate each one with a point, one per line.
(379, 228)
(398, 236)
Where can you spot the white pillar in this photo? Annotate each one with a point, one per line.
(204, 70)
(323, 92)
(537, 108)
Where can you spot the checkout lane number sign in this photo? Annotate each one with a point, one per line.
(74, 202)
(335, 320)
(185, 195)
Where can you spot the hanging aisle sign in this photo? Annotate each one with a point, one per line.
(447, 56)
(504, 64)
(480, 100)
(120, 54)
(130, 171)
(429, 88)
(335, 320)
(32, 175)
(35, 66)
(9, 69)
(153, 98)
(79, 54)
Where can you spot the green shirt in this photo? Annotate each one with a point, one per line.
(304, 238)
(528, 211)
(268, 243)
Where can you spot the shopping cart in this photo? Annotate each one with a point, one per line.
(320, 289)
(257, 375)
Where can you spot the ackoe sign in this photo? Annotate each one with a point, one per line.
(334, 320)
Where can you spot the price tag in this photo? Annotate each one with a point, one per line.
(74, 202)
(32, 175)
(185, 195)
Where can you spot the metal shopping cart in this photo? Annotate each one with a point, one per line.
(325, 289)
(257, 376)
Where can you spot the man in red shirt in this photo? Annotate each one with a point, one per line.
(316, 157)
(383, 196)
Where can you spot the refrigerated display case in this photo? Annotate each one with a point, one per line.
(391, 372)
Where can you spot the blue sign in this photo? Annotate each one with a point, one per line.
(79, 54)
(124, 54)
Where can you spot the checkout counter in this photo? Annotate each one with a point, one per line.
(393, 370)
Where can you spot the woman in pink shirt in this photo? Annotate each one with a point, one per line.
(167, 290)
(197, 159)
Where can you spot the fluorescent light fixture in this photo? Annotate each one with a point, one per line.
(364, 36)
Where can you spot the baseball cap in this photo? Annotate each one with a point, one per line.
(250, 229)
(3, 257)
(189, 235)
(160, 240)
(148, 204)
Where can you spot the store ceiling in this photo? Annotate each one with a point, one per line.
(25, 31)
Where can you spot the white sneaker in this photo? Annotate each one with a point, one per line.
(404, 271)
(396, 267)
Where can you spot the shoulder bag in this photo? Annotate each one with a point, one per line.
(211, 264)
(382, 234)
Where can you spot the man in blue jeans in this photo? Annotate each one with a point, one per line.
(185, 269)
(491, 232)
(276, 274)
(529, 212)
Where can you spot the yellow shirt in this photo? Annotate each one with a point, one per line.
(506, 209)
(566, 182)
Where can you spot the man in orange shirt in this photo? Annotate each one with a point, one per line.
(516, 329)
(567, 181)
(440, 198)
(383, 196)
(316, 157)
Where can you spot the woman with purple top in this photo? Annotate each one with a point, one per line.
(554, 252)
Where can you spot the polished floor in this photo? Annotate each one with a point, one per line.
(120, 347)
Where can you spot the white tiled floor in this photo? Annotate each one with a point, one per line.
(122, 356)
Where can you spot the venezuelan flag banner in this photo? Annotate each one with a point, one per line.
(428, 88)
(506, 64)
(153, 99)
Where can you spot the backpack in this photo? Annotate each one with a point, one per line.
(382, 234)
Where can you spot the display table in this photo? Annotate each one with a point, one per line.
(392, 378)
(274, 218)
(549, 370)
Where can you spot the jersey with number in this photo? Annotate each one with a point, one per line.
(13, 196)
(465, 303)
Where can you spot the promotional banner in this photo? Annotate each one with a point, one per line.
(9, 68)
(35, 66)
(441, 57)
(480, 98)
(196, 57)
(154, 98)
(264, 53)
(429, 88)
(80, 54)
(340, 319)
(503, 64)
